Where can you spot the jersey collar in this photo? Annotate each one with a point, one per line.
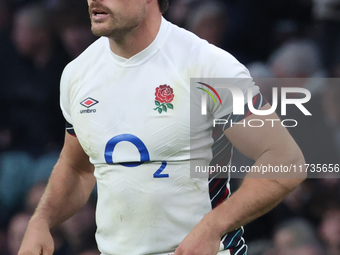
(145, 54)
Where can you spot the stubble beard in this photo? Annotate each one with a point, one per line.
(111, 31)
(116, 28)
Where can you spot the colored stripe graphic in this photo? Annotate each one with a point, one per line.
(218, 96)
(208, 93)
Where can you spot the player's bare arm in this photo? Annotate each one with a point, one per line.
(68, 189)
(256, 196)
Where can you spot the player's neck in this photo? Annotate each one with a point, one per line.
(138, 39)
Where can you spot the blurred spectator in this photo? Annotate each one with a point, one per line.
(30, 84)
(260, 70)
(296, 59)
(76, 38)
(80, 230)
(209, 21)
(296, 237)
(263, 227)
(304, 201)
(330, 230)
(178, 11)
(16, 231)
(74, 26)
(319, 202)
(260, 247)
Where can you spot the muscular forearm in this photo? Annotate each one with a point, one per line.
(257, 196)
(268, 145)
(67, 191)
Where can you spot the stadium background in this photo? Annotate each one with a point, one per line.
(273, 38)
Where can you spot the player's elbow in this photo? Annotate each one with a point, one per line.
(296, 162)
(296, 156)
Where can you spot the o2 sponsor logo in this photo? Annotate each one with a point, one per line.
(143, 152)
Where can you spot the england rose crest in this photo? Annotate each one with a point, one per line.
(164, 96)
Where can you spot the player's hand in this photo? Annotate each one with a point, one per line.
(37, 240)
(204, 239)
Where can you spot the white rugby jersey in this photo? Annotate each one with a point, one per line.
(132, 118)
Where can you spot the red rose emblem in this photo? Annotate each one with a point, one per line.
(164, 94)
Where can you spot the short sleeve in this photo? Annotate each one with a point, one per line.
(238, 90)
(64, 95)
(221, 69)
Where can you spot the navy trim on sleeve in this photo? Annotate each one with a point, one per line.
(70, 129)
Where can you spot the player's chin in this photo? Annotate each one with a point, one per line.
(99, 29)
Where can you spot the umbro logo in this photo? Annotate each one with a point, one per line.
(88, 102)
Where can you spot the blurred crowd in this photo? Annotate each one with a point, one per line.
(297, 39)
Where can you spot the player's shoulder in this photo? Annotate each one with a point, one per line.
(188, 50)
(85, 61)
(182, 39)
